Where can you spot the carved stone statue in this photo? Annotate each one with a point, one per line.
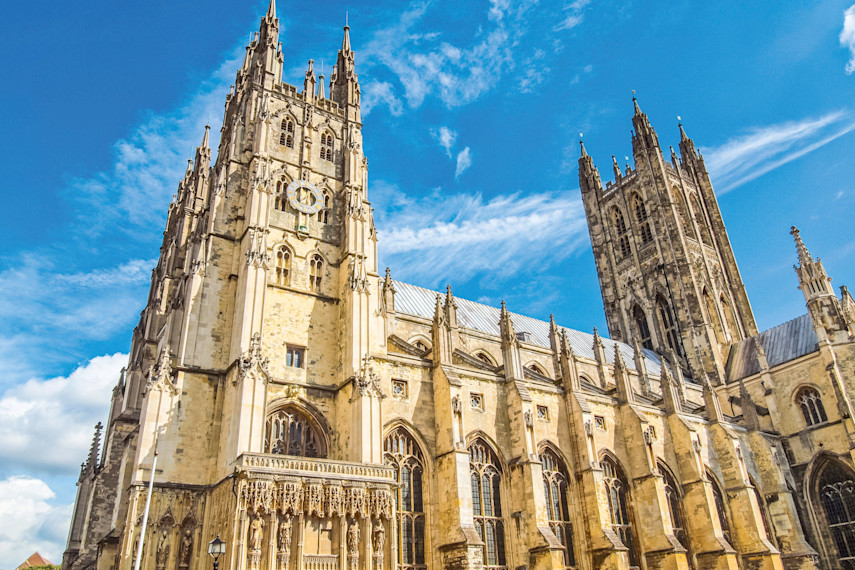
(256, 533)
(186, 549)
(285, 535)
(379, 538)
(353, 539)
(162, 549)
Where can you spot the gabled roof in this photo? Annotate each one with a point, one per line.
(782, 343)
(420, 302)
(35, 559)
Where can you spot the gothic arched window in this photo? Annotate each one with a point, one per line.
(555, 482)
(730, 317)
(684, 212)
(537, 369)
(811, 404)
(706, 235)
(641, 219)
(620, 230)
(324, 214)
(675, 509)
(283, 266)
(402, 452)
(485, 358)
(715, 321)
(643, 328)
(281, 201)
(619, 508)
(286, 133)
(290, 431)
(836, 490)
(486, 478)
(720, 509)
(327, 146)
(316, 268)
(669, 325)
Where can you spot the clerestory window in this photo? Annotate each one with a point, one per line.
(810, 402)
(486, 478)
(555, 484)
(619, 507)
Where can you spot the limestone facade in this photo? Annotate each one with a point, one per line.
(316, 414)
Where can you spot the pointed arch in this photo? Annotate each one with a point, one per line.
(536, 368)
(730, 319)
(668, 324)
(720, 507)
(485, 473)
(713, 316)
(809, 400)
(641, 218)
(316, 271)
(556, 482)
(831, 492)
(619, 225)
(701, 219)
(674, 496)
(620, 507)
(282, 260)
(280, 199)
(406, 456)
(485, 357)
(286, 131)
(294, 428)
(642, 326)
(421, 342)
(683, 209)
(327, 145)
(325, 213)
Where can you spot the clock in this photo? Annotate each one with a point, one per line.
(304, 197)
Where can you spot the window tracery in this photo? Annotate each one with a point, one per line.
(669, 325)
(643, 327)
(402, 453)
(316, 267)
(836, 489)
(810, 402)
(721, 509)
(706, 235)
(642, 219)
(327, 146)
(486, 479)
(619, 507)
(286, 133)
(555, 483)
(621, 231)
(283, 266)
(675, 509)
(289, 431)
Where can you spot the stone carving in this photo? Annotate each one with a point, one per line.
(366, 381)
(379, 540)
(589, 428)
(186, 549)
(358, 278)
(253, 363)
(353, 540)
(528, 418)
(334, 502)
(292, 498)
(256, 255)
(160, 374)
(315, 500)
(285, 535)
(162, 550)
(456, 406)
(381, 503)
(354, 501)
(256, 534)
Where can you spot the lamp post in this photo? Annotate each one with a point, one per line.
(215, 548)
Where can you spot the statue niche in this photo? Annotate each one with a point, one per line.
(292, 431)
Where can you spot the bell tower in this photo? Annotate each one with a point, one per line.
(666, 268)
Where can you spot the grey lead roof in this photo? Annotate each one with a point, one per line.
(421, 302)
(782, 343)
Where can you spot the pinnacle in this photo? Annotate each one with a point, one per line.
(206, 137)
(582, 144)
(683, 136)
(804, 254)
(345, 43)
(635, 103)
(271, 9)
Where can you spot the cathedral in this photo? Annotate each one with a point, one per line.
(286, 395)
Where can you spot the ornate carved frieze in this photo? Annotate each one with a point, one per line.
(160, 374)
(253, 363)
(366, 382)
(256, 254)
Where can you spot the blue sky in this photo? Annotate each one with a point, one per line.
(472, 117)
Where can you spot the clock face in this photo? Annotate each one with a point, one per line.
(304, 197)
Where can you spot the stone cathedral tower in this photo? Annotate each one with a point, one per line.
(314, 414)
(666, 268)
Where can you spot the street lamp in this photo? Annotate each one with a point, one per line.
(215, 548)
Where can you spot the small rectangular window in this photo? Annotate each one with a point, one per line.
(543, 413)
(400, 389)
(476, 401)
(600, 422)
(295, 357)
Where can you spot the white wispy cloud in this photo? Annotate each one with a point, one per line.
(441, 236)
(445, 137)
(29, 520)
(458, 73)
(464, 161)
(380, 93)
(763, 149)
(61, 410)
(847, 37)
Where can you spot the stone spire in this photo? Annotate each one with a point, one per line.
(450, 307)
(687, 145)
(616, 168)
(92, 460)
(813, 280)
(344, 83)
(310, 82)
(506, 327)
(644, 137)
(321, 89)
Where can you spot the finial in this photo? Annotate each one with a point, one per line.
(205, 138)
(615, 167)
(388, 273)
(582, 144)
(635, 103)
(683, 135)
(271, 9)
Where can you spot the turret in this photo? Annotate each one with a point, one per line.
(589, 176)
(687, 146)
(825, 309)
(310, 82)
(644, 137)
(344, 83)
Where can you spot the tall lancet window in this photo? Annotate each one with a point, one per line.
(706, 235)
(316, 271)
(675, 509)
(641, 219)
(281, 200)
(620, 230)
(286, 133)
(555, 483)
(324, 215)
(619, 507)
(290, 431)
(486, 474)
(283, 266)
(643, 328)
(403, 454)
(669, 325)
(721, 509)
